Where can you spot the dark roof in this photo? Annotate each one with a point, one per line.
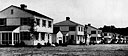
(8, 28)
(92, 27)
(30, 11)
(64, 32)
(67, 23)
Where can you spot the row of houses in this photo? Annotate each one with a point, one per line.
(15, 25)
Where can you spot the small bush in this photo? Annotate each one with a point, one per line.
(64, 44)
(39, 45)
(81, 43)
(56, 44)
(47, 44)
(21, 44)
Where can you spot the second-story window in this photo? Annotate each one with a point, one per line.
(49, 24)
(93, 32)
(25, 21)
(79, 28)
(43, 23)
(38, 22)
(72, 28)
(2, 21)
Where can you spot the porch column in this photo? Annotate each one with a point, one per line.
(39, 37)
(12, 38)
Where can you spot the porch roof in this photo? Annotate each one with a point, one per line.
(8, 28)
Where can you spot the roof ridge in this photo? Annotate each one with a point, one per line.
(29, 11)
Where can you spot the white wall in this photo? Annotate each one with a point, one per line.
(59, 37)
(41, 28)
(80, 32)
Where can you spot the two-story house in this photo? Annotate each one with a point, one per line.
(15, 24)
(93, 34)
(108, 37)
(68, 32)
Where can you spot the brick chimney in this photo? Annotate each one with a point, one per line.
(89, 24)
(23, 6)
(67, 18)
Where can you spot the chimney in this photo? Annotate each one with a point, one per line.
(23, 6)
(67, 18)
(89, 24)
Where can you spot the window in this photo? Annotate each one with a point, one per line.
(25, 36)
(93, 32)
(38, 22)
(72, 37)
(49, 24)
(16, 38)
(2, 21)
(36, 35)
(11, 11)
(105, 34)
(99, 32)
(48, 36)
(25, 21)
(6, 38)
(79, 28)
(43, 22)
(43, 36)
(93, 38)
(72, 28)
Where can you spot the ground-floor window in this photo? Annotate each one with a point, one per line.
(25, 36)
(36, 35)
(99, 38)
(72, 37)
(16, 38)
(6, 38)
(42, 36)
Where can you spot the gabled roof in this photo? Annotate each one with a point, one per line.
(29, 11)
(92, 27)
(8, 28)
(67, 23)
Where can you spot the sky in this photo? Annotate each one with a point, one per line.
(95, 12)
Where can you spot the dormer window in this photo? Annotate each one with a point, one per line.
(11, 11)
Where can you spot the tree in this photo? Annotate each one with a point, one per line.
(32, 29)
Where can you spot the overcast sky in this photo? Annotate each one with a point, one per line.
(96, 12)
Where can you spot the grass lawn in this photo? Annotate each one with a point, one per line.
(71, 50)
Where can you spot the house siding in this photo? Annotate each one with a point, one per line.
(16, 13)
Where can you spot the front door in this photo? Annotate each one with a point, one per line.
(60, 42)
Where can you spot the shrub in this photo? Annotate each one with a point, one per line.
(56, 44)
(39, 45)
(81, 43)
(21, 44)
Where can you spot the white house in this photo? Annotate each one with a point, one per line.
(15, 25)
(71, 32)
